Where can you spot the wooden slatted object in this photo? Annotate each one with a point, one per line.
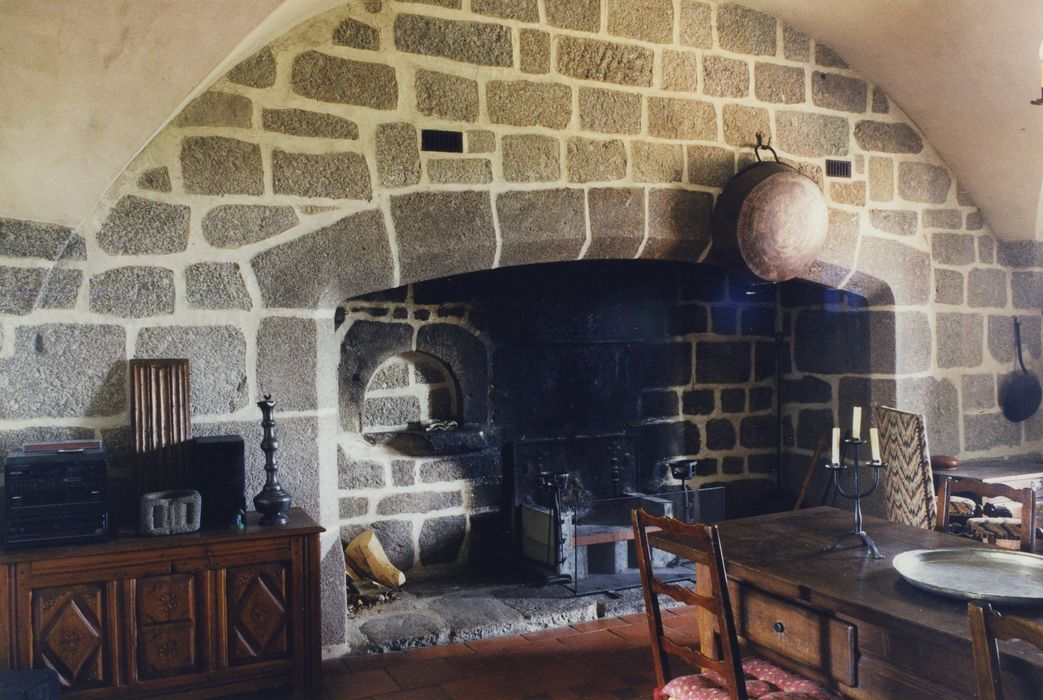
(161, 423)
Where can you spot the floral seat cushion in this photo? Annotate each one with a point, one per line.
(763, 680)
(998, 528)
(962, 507)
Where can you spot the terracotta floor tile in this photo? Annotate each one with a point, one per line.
(334, 667)
(440, 652)
(636, 619)
(483, 645)
(364, 684)
(369, 662)
(545, 651)
(563, 694)
(418, 674)
(480, 687)
(549, 679)
(553, 633)
(433, 692)
(479, 664)
(602, 624)
(592, 642)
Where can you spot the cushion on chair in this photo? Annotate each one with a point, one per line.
(962, 507)
(763, 680)
(908, 484)
(998, 528)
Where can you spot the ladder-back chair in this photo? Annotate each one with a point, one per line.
(988, 626)
(725, 671)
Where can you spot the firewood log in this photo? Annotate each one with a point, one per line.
(367, 556)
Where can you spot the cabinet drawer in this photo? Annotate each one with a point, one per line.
(817, 641)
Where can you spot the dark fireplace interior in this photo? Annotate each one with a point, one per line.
(463, 397)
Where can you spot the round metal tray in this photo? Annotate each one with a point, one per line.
(1014, 578)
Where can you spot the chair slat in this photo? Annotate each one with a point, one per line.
(693, 656)
(684, 595)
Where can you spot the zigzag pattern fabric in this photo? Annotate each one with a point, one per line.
(908, 488)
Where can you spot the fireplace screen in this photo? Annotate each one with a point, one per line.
(574, 498)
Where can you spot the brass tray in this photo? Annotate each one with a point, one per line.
(996, 575)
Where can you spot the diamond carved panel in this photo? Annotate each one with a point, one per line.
(257, 612)
(69, 637)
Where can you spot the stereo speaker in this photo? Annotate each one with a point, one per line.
(218, 473)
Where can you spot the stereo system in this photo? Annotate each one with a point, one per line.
(54, 497)
(55, 494)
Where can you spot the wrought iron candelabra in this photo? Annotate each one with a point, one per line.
(856, 494)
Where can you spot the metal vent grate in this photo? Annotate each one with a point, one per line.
(443, 141)
(838, 168)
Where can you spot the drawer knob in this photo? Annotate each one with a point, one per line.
(779, 628)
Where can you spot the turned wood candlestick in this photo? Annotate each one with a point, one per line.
(273, 500)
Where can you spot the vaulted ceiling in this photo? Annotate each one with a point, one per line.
(84, 85)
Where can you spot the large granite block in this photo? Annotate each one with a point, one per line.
(346, 258)
(62, 370)
(217, 362)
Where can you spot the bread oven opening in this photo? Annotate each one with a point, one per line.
(410, 391)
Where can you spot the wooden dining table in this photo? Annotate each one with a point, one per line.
(851, 621)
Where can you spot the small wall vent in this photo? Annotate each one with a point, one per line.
(838, 168)
(442, 141)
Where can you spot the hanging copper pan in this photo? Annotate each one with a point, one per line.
(770, 220)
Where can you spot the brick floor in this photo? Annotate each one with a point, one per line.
(606, 659)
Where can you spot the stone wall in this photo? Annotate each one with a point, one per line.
(592, 129)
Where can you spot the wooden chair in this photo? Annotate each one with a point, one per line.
(908, 479)
(726, 671)
(995, 530)
(988, 626)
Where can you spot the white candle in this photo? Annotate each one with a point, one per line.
(856, 422)
(874, 444)
(1041, 64)
(835, 455)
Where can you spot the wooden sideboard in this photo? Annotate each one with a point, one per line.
(204, 614)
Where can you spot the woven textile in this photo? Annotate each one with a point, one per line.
(908, 488)
(763, 680)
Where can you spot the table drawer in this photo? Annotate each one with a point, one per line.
(810, 638)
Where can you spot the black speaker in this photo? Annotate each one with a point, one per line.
(218, 473)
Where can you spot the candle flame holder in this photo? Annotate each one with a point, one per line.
(856, 494)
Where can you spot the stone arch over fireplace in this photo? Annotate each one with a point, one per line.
(297, 181)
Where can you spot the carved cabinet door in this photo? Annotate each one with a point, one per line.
(258, 604)
(170, 632)
(72, 634)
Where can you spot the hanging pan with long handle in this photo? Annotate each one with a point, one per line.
(1021, 392)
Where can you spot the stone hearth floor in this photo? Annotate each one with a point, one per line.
(606, 659)
(429, 613)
